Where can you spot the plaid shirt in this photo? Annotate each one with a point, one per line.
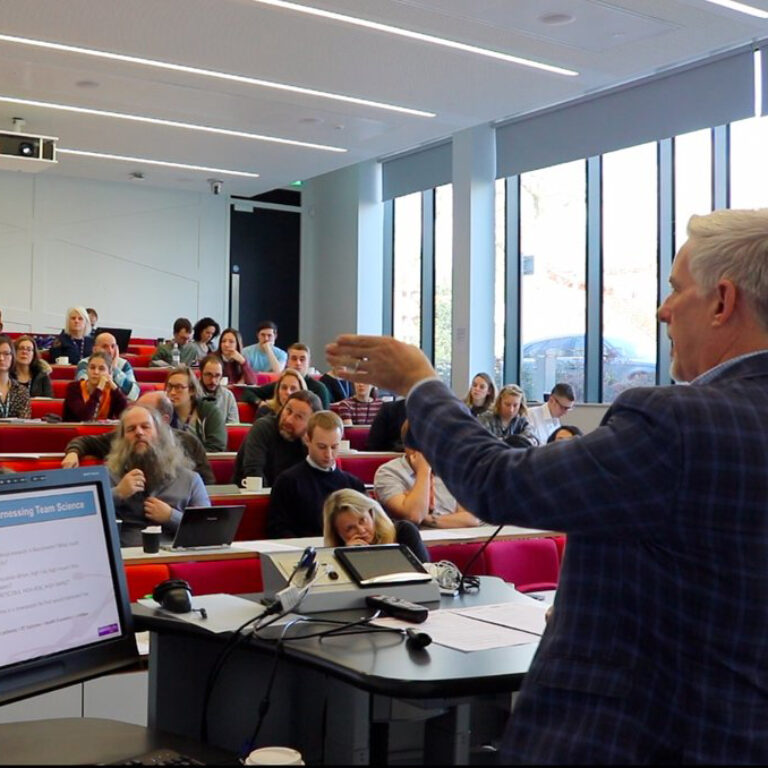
(658, 646)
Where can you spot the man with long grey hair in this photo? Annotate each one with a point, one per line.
(153, 481)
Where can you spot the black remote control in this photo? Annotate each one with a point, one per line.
(398, 608)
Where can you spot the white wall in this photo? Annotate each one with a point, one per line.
(141, 256)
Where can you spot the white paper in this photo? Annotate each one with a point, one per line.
(527, 616)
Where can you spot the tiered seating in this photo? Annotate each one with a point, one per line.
(213, 576)
(253, 526)
(364, 465)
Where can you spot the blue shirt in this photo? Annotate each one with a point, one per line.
(258, 359)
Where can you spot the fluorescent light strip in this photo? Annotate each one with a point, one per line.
(124, 158)
(741, 7)
(168, 123)
(375, 25)
(212, 73)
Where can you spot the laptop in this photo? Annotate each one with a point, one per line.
(207, 528)
(122, 336)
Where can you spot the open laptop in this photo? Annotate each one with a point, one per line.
(207, 527)
(122, 336)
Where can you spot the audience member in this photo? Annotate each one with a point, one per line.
(481, 395)
(75, 341)
(409, 490)
(236, 368)
(193, 412)
(93, 316)
(508, 417)
(353, 519)
(298, 494)
(96, 397)
(30, 369)
(385, 433)
(205, 331)
(361, 408)
(299, 360)
(153, 482)
(545, 418)
(14, 397)
(290, 381)
(99, 445)
(122, 371)
(338, 389)
(264, 355)
(182, 331)
(273, 443)
(210, 379)
(565, 432)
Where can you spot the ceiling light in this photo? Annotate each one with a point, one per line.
(741, 7)
(375, 25)
(211, 73)
(168, 123)
(163, 163)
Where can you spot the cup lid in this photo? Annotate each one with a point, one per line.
(274, 756)
(152, 529)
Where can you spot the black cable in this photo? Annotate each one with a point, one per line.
(472, 583)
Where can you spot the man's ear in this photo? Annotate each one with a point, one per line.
(306, 439)
(727, 295)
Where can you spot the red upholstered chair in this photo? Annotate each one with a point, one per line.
(65, 372)
(460, 554)
(142, 579)
(156, 374)
(357, 436)
(138, 360)
(266, 378)
(150, 386)
(530, 564)
(227, 576)
(362, 465)
(235, 435)
(36, 438)
(247, 412)
(253, 526)
(42, 406)
(59, 386)
(560, 544)
(223, 468)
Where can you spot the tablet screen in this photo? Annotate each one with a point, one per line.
(385, 564)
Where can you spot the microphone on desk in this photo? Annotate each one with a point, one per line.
(467, 582)
(416, 639)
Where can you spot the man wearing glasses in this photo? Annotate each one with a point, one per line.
(545, 419)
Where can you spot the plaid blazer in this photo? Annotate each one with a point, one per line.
(658, 645)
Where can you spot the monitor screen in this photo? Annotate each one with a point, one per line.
(64, 608)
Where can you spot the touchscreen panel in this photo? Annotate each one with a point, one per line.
(385, 564)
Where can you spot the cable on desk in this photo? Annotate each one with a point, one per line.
(472, 583)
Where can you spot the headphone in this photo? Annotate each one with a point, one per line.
(175, 595)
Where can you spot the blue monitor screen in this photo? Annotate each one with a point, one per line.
(64, 613)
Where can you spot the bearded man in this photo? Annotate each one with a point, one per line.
(153, 481)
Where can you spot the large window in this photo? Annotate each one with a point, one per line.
(443, 280)
(693, 179)
(500, 293)
(630, 266)
(749, 163)
(406, 302)
(553, 303)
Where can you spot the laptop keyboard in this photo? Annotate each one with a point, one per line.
(160, 757)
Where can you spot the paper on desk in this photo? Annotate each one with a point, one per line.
(225, 612)
(528, 617)
(451, 629)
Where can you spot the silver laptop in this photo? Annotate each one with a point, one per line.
(207, 527)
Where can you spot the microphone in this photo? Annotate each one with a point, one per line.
(473, 560)
(416, 639)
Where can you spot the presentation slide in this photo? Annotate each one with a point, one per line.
(56, 589)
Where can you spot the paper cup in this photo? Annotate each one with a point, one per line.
(62, 361)
(150, 539)
(274, 756)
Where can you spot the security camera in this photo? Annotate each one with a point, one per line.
(216, 185)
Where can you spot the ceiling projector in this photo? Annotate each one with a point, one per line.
(26, 152)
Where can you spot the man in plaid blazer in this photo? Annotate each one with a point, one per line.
(657, 650)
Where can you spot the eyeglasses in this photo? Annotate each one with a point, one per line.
(24, 349)
(176, 387)
(564, 407)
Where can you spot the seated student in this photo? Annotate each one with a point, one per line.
(545, 418)
(75, 342)
(152, 480)
(210, 379)
(509, 416)
(361, 408)
(98, 446)
(481, 394)
(30, 369)
(193, 412)
(182, 331)
(235, 367)
(290, 381)
(264, 356)
(14, 397)
(565, 432)
(354, 519)
(298, 495)
(385, 433)
(97, 397)
(338, 389)
(122, 371)
(408, 490)
(205, 331)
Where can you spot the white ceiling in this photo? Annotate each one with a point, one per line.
(606, 42)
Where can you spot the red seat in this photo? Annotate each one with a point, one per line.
(214, 576)
(156, 374)
(530, 564)
(142, 579)
(460, 554)
(560, 544)
(66, 372)
(247, 412)
(364, 466)
(266, 378)
(36, 438)
(136, 360)
(223, 468)
(150, 386)
(253, 526)
(235, 435)
(42, 406)
(357, 436)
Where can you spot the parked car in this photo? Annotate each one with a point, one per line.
(561, 358)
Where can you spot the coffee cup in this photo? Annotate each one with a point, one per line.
(150, 539)
(252, 483)
(344, 445)
(62, 361)
(224, 381)
(274, 756)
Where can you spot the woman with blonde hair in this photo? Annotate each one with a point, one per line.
(289, 381)
(75, 342)
(352, 519)
(509, 416)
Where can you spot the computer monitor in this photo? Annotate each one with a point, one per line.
(122, 336)
(64, 608)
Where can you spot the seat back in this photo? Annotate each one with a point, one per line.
(530, 564)
(226, 576)
(460, 554)
(142, 579)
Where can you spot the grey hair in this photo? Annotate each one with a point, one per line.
(170, 457)
(732, 244)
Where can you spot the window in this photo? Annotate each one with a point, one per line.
(693, 179)
(443, 280)
(630, 267)
(749, 163)
(553, 297)
(406, 302)
(500, 293)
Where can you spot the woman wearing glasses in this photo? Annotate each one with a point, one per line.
(30, 370)
(192, 412)
(508, 418)
(14, 397)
